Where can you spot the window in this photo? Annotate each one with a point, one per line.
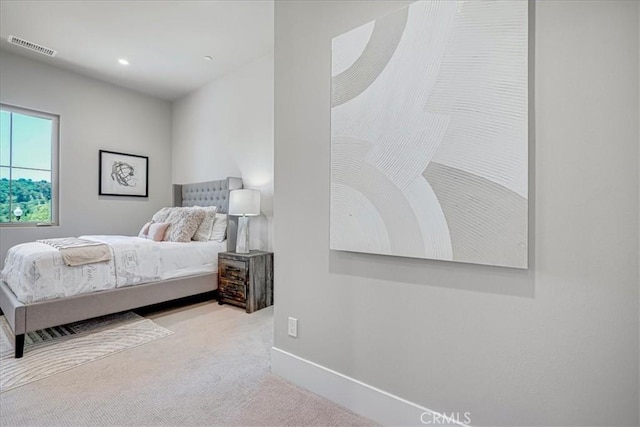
(28, 166)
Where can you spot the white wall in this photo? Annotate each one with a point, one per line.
(93, 115)
(553, 345)
(226, 129)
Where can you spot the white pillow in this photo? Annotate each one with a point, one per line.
(184, 223)
(205, 229)
(144, 231)
(219, 232)
(161, 215)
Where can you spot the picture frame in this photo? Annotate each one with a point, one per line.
(122, 174)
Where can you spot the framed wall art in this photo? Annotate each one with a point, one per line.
(123, 174)
(429, 134)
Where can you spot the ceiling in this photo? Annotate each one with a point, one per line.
(165, 42)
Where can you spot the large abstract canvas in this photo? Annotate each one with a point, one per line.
(429, 134)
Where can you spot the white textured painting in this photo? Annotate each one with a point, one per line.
(429, 139)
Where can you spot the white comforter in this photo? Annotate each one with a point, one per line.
(36, 272)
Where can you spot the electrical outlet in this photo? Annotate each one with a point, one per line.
(293, 327)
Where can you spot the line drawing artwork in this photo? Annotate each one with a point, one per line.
(124, 174)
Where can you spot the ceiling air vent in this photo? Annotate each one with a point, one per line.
(31, 46)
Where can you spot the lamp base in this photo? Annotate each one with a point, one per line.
(242, 244)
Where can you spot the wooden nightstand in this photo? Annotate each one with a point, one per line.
(246, 280)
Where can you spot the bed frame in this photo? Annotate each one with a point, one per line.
(23, 318)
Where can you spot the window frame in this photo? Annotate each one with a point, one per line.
(55, 155)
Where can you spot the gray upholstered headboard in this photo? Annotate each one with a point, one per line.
(211, 193)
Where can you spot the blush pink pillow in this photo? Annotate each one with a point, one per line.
(157, 231)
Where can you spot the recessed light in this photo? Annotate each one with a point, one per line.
(123, 61)
(208, 58)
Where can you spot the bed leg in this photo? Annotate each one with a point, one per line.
(19, 346)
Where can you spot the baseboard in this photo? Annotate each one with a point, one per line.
(363, 399)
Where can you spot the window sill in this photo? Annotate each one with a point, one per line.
(28, 224)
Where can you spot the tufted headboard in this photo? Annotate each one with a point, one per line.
(211, 193)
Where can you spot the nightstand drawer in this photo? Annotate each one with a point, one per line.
(233, 270)
(232, 299)
(233, 289)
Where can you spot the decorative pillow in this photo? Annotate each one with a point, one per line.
(161, 215)
(203, 233)
(144, 231)
(219, 232)
(184, 223)
(157, 230)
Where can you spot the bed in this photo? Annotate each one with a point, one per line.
(30, 312)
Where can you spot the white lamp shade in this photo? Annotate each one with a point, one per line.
(244, 202)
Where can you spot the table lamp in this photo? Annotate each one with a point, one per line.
(244, 203)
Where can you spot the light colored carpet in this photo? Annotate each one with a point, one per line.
(281, 403)
(54, 350)
(214, 370)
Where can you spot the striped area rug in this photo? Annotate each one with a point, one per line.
(54, 350)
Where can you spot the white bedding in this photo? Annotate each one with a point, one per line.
(35, 271)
